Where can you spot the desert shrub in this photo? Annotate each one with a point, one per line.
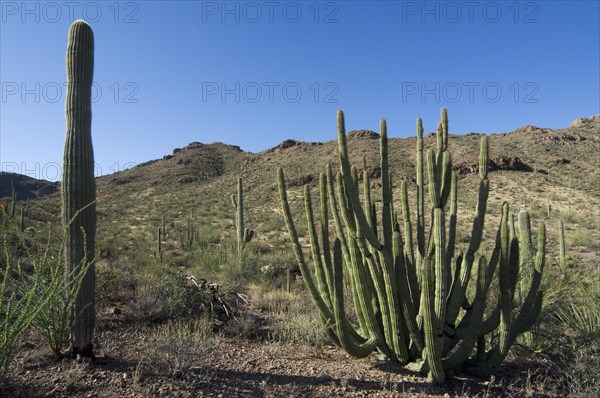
(298, 328)
(568, 332)
(177, 297)
(174, 347)
(116, 282)
(581, 323)
(568, 216)
(18, 306)
(34, 292)
(583, 238)
(213, 258)
(55, 319)
(290, 319)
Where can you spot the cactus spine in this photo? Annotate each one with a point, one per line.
(78, 187)
(410, 297)
(243, 234)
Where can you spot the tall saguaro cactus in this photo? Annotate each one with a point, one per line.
(410, 302)
(78, 186)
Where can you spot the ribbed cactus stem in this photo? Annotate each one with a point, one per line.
(78, 187)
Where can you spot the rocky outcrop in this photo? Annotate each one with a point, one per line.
(585, 121)
(531, 129)
(287, 144)
(300, 181)
(499, 163)
(363, 134)
(372, 172)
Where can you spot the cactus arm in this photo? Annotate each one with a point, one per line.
(325, 231)
(434, 194)
(450, 246)
(386, 190)
(351, 188)
(420, 191)
(347, 340)
(322, 285)
(526, 253)
(504, 283)
(337, 220)
(368, 202)
(364, 296)
(406, 301)
(458, 289)
(445, 128)
(527, 314)
(475, 314)
(380, 267)
(380, 270)
(441, 269)
(293, 234)
(411, 267)
(436, 371)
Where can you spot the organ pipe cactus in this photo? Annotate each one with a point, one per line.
(78, 187)
(243, 234)
(410, 295)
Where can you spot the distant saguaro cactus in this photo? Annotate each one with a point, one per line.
(78, 187)
(244, 235)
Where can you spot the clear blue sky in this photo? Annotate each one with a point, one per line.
(255, 73)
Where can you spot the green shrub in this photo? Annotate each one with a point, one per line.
(177, 297)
